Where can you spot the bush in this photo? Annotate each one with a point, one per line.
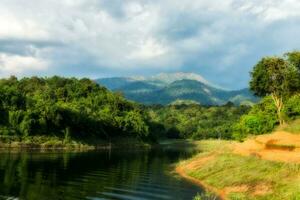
(292, 106)
(261, 119)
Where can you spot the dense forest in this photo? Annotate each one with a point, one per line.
(66, 108)
(80, 108)
(195, 121)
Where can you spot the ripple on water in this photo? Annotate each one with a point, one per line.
(93, 176)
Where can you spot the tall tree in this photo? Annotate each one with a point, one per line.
(294, 58)
(276, 77)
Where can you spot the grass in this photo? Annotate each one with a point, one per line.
(292, 127)
(206, 196)
(245, 178)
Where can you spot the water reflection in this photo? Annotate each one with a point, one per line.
(116, 175)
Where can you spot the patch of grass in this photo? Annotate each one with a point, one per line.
(205, 196)
(213, 145)
(292, 127)
(263, 180)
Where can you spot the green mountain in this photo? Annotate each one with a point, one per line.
(175, 87)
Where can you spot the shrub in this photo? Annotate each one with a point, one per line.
(261, 119)
(292, 106)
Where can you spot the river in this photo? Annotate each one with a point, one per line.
(98, 175)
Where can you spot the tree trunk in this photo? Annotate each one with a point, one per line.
(279, 105)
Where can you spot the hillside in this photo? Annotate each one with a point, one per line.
(168, 88)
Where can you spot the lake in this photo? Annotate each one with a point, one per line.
(98, 175)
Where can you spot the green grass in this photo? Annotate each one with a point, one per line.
(228, 170)
(213, 145)
(292, 127)
(205, 196)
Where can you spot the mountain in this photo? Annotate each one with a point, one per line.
(175, 87)
(115, 82)
(168, 78)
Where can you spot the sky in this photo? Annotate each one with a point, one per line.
(220, 39)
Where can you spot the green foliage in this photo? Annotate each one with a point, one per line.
(292, 106)
(261, 119)
(278, 80)
(277, 77)
(63, 107)
(294, 58)
(195, 121)
(273, 75)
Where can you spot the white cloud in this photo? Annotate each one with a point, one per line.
(148, 49)
(272, 10)
(17, 65)
(140, 35)
(16, 28)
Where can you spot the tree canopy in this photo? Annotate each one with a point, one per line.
(277, 77)
(59, 106)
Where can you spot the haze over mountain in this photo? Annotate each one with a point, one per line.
(168, 88)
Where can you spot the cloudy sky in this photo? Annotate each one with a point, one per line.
(219, 39)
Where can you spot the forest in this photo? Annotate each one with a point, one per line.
(80, 109)
(67, 108)
(71, 108)
(195, 121)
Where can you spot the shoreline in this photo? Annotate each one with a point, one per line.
(180, 171)
(247, 177)
(37, 143)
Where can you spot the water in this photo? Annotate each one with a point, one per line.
(105, 175)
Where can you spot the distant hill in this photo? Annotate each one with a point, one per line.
(175, 87)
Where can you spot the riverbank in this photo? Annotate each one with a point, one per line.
(56, 143)
(232, 176)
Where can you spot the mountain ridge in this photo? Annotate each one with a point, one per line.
(166, 88)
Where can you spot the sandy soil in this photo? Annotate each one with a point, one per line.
(279, 146)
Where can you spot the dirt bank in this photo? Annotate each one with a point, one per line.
(279, 146)
(249, 170)
(183, 172)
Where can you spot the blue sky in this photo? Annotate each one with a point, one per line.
(219, 39)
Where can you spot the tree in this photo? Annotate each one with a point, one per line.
(67, 108)
(294, 58)
(276, 77)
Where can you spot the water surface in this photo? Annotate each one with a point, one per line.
(104, 175)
